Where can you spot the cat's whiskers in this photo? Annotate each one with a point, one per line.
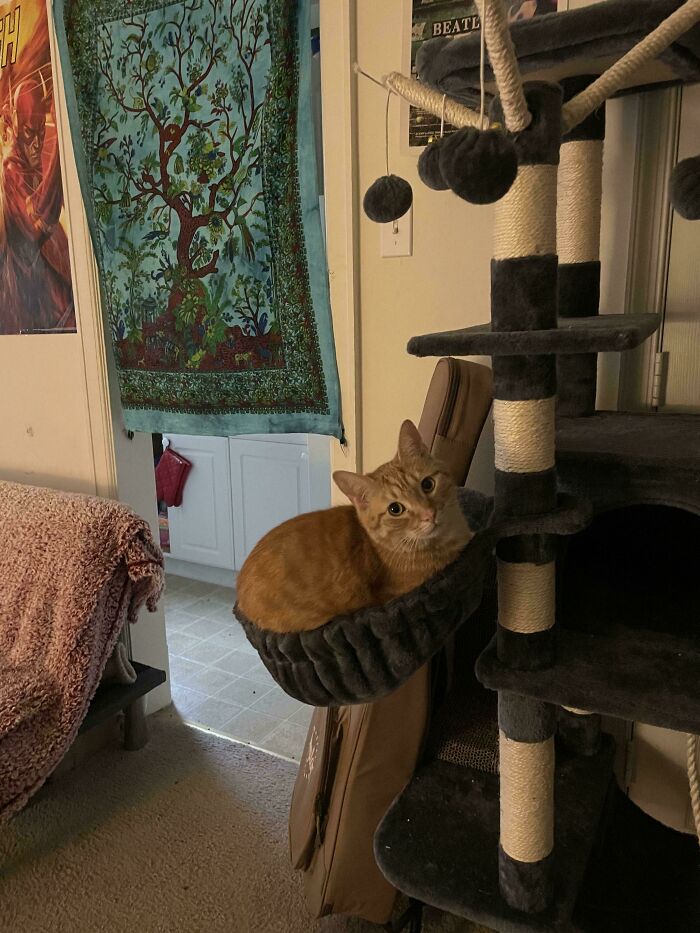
(403, 553)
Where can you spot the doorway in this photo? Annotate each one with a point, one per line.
(239, 488)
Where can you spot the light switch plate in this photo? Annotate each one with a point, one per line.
(396, 238)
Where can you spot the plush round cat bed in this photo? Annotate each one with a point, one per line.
(364, 656)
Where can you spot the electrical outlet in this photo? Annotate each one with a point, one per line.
(396, 238)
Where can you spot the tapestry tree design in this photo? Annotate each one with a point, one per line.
(177, 162)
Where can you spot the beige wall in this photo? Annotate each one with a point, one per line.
(56, 410)
(444, 284)
(54, 403)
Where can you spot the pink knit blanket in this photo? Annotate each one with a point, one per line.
(72, 569)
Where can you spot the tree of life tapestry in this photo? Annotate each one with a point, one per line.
(193, 129)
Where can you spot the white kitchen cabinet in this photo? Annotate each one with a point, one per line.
(201, 529)
(238, 489)
(270, 483)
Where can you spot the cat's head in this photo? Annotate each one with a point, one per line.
(409, 503)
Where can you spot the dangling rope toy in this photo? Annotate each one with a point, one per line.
(390, 197)
(693, 779)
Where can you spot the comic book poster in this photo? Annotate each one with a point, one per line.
(452, 18)
(36, 294)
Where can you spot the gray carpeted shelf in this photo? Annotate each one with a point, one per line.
(439, 840)
(628, 633)
(618, 458)
(604, 333)
(582, 41)
(631, 674)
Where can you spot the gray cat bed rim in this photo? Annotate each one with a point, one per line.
(368, 654)
(327, 666)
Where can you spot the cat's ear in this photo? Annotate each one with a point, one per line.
(355, 486)
(410, 442)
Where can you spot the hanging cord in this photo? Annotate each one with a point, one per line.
(693, 779)
(386, 128)
(442, 116)
(494, 26)
(618, 75)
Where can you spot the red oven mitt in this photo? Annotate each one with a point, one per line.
(171, 473)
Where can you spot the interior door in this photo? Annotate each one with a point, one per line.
(201, 529)
(270, 484)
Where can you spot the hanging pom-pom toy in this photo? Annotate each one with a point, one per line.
(685, 188)
(390, 196)
(479, 166)
(429, 160)
(387, 199)
(429, 165)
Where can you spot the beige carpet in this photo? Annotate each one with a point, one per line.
(188, 835)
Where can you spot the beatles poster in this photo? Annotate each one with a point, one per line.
(452, 18)
(36, 294)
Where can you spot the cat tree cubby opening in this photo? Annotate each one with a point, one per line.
(628, 633)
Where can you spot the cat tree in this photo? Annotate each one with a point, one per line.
(517, 851)
(544, 335)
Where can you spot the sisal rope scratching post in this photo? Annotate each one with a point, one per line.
(578, 246)
(579, 197)
(524, 405)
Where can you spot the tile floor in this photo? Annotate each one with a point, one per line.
(217, 679)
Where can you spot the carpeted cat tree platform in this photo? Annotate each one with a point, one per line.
(550, 844)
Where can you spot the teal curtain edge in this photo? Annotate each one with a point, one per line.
(311, 213)
(150, 421)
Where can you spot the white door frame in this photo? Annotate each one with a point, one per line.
(338, 101)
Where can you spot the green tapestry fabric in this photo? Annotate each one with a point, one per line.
(193, 130)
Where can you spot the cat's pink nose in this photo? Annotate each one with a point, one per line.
(427, 515)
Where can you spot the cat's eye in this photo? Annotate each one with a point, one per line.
(427, 484)
(395, 508)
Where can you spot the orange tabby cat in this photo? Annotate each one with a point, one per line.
(404, 525)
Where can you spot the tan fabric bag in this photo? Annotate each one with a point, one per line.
(358, 758)
(369, 754)
(456, 407)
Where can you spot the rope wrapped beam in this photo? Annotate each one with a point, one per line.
(504, 63)
(420, 95)
(618, 75)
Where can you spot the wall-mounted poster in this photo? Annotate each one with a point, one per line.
(36, 294)
(452, 18)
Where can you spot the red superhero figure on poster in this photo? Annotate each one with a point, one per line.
(36, 294)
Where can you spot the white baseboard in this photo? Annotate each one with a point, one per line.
(218, 576)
